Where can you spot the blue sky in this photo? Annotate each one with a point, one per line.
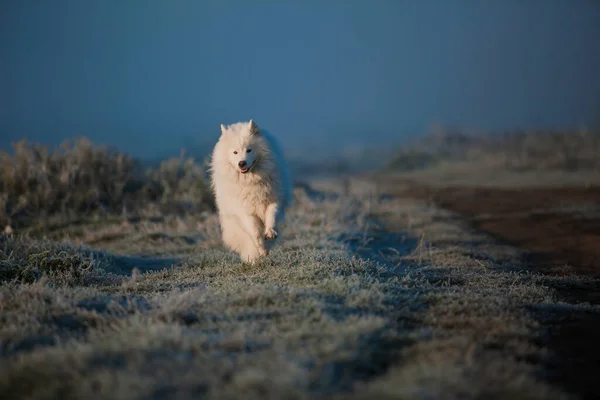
(148, 75)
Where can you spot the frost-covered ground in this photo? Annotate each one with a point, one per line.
(366, 296)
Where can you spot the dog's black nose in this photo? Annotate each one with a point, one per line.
(242, 164)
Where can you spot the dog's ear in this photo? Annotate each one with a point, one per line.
(223, 129)
(253, 128)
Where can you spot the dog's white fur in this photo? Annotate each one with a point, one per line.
(251, 198)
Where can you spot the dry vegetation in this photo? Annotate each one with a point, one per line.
(346, 306)
(512, 158)
(40, 186)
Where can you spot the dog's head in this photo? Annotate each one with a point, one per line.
(242, 141)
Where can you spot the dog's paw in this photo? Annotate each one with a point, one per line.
(270, 234)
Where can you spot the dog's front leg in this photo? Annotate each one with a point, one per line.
(270, 221)
(253, 226)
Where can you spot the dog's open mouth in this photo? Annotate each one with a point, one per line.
(246, 169)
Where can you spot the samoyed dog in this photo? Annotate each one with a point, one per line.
(252, 188)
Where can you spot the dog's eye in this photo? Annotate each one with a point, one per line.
(235, 152)
(248, 151)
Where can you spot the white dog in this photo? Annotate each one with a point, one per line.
(252, 188)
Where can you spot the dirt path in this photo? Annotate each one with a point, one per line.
(559, 226)
(559, 229)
